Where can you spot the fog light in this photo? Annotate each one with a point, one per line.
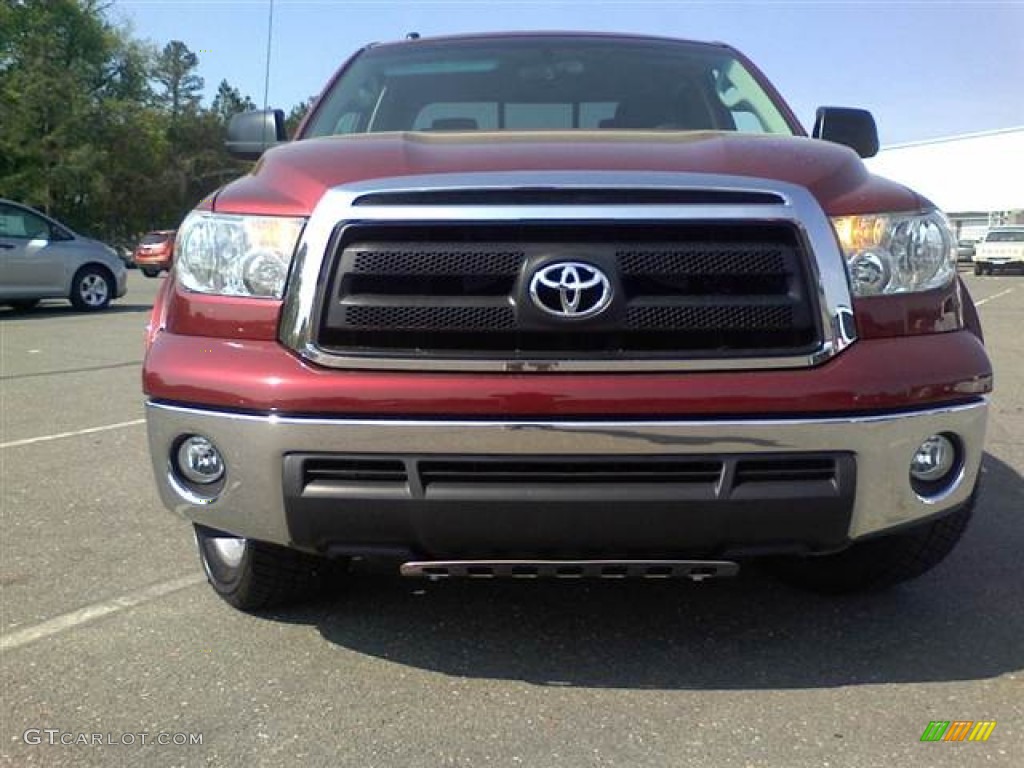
(934, 460)
(199, 461)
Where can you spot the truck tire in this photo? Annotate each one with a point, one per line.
(979, 269)
(252, 575)
(878, 563)
(150, 272)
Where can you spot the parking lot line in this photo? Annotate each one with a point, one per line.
(95, 611)
(993, 296)
(87, 369)
(76, 433)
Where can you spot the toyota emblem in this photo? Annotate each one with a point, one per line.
(570, 289)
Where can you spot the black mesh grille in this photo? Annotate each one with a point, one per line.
(462, 290)
(726, 318)
(705, 259)
(442, 261)
(426, 318)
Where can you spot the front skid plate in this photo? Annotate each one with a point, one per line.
(695, 570)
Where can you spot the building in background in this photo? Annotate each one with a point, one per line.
(977, 179)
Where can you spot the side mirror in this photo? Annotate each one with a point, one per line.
(252, 133)
(853, 128)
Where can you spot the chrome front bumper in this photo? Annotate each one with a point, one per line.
(251, 502)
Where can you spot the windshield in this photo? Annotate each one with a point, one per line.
(1006, 236)
(545, 84)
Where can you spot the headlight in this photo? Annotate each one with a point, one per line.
(235, 255)
(896, 253)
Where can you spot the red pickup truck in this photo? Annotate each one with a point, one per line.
(568, 306)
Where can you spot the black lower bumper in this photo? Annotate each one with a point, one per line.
(569, 506)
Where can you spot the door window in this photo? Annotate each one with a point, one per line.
(21, 224)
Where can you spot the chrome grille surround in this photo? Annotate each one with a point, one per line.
(347, 205)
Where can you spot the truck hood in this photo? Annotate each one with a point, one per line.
(291, 179)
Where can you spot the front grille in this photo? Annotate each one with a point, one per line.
(568, 471)
(679, 291)
(420, 475)
(503, 506)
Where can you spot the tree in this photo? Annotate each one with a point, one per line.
(174, 72)
(296, 114)
(128, 71)
(101, 130)
(229, 101)
(55, 73)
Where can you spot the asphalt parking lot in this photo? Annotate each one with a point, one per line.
(108, 631)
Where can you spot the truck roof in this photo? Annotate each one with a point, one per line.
(476, 37)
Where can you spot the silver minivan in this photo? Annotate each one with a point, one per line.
(40, 258)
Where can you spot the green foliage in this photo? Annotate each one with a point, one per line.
(297, 113)
(229, 101)
(174, 71)
(101, 130)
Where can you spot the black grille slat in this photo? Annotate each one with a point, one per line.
(785, 471)
(680, 290)
(338, 470)
(712, 474)
(570, 472)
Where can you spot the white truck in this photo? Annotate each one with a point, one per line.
(1002, 247)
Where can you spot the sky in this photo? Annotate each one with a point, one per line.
(925, 69)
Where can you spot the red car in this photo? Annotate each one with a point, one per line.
(155, 252)
(564, 306)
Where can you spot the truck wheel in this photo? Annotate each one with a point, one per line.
(979, 269)
(251, 575)
(91, 289)
(878, 563)
(150, 272)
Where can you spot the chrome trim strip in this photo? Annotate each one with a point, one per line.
(799, 208)
(936, 500)
(184, 491)
(251, 503)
